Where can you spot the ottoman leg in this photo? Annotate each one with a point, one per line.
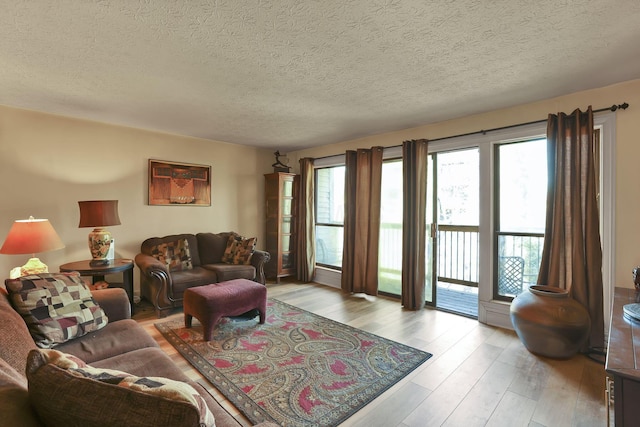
(187, 320)
(263, 306)
(209, 326)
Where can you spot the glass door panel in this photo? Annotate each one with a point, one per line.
(430, 265)
(390, 242)
(457, 215)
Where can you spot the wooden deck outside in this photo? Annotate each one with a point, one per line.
(457, 299)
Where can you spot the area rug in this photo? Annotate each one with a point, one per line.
(297, 369)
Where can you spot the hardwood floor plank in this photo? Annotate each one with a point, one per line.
(558, 402)
(392, 410)
(513, 410)
(437, 407)
(484, 397)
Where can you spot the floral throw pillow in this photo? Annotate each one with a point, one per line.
(239, 250)
(175, 255)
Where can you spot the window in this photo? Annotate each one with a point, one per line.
(390, 242)
(521, 189)
(329, 184)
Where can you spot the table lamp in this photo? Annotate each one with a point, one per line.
(99, 214)
(31, 236)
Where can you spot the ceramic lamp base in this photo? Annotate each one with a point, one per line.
(33, 266)
(99, 244)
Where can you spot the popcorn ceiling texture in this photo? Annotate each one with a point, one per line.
(291, 74)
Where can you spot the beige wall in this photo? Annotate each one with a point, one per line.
(48, 163)
(627, 153)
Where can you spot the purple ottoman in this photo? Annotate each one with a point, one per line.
(209, 303)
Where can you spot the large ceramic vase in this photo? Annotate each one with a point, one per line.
(549, 322)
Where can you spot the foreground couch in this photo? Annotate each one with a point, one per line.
(170, 264)
(122, 345)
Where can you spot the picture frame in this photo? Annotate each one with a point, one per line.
(179, 184)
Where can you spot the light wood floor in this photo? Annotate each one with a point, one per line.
(478, 375)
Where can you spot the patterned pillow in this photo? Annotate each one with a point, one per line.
(175, 255)
(239, 250)
(83, 395)
(56, 307)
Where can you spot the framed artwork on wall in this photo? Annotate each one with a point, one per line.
(179, 184)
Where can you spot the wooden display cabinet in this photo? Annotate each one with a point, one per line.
(281, 192)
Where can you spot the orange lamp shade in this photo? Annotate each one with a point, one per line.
(31, 236)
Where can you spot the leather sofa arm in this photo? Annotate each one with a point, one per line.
(148, 265)
(156, 275)
(258, 260)
(114, 302)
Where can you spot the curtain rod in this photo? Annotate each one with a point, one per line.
(614, 107)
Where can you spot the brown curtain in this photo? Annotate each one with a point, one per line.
(305, 225)
(572, 255)
(414, 207)
(363, 181)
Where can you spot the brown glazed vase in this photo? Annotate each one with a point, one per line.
(549, 322)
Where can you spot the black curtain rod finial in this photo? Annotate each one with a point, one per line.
(622, 106)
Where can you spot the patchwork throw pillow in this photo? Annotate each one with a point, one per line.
(239, 250)
(175, 255)
(56, 307)
(83, 395)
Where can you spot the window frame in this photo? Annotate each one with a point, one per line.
(315, 208)
(498, 231)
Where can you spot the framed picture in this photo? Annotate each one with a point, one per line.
(179, 184)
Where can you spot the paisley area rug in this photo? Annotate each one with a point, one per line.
(297, 369)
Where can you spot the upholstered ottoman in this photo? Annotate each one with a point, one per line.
(209, 303)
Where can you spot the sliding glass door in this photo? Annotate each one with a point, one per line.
(455, 210)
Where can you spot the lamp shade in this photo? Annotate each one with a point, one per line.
(98, 213)
(31, 236)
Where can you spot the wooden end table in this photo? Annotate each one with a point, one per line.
(97, 273)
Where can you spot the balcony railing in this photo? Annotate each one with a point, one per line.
(458, 247)
(458, 257)
(526, 247)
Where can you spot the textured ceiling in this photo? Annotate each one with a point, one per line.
(290, 74)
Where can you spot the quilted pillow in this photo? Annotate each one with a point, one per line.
(239, 250)
(65, 393)
(175, 255)
(56, 307)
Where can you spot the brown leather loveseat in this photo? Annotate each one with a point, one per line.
(188, 260)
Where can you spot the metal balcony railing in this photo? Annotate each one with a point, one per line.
(458, 257)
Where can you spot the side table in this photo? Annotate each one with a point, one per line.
(119, 265)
